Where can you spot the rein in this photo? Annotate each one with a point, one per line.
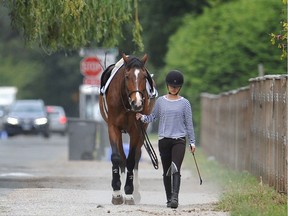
(149, 148)
(126, 109)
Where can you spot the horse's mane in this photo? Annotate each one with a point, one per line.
(134, 62)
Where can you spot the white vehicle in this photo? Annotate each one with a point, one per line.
(7, 95)
(7, 98)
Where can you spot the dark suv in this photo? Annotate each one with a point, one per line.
(27, 117)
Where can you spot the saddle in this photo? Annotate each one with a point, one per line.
(107, 73)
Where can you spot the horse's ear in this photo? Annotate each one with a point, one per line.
(144, 59)
(125, 58)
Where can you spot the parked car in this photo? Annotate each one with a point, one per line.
(27, 117)
(57, 119)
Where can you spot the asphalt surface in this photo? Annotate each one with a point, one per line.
(44, 182)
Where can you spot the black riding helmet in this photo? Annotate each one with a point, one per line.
(174, 78)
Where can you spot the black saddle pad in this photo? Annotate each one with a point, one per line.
(105, 75)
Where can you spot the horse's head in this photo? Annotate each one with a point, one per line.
(135, 81)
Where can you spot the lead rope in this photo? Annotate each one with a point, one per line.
(149, 148)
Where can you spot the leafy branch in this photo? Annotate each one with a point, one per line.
(71, 24)
(280, 40)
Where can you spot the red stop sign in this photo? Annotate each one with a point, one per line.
(90, 66)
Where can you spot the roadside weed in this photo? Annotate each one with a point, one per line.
(243, 193)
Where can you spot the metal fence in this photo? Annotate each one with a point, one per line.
(246, 129)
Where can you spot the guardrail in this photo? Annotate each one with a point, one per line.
(246, 129)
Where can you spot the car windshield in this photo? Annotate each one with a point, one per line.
(27, 108)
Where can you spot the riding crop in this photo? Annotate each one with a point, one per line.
(197, 168)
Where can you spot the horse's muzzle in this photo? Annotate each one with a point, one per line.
(136, 101)
(137, 106)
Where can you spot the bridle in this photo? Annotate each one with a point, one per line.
(129, 93)
(129, 99)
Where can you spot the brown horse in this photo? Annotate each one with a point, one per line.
(126, 95)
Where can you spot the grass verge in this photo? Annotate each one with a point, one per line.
(242, 193)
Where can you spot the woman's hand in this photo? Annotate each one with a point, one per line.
(138, 116)
(192, 148)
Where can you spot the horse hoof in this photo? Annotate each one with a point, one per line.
(117, 200)
(137, 197)
(129, 200)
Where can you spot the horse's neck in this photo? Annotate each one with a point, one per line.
(123, 94)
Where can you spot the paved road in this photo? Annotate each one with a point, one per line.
(36, 178)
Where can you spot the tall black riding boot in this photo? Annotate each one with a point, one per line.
(167, 185)
(176, 178)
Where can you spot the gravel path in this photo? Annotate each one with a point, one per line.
(82, 188)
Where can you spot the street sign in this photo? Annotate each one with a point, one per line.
(90, 66)
(91, 81)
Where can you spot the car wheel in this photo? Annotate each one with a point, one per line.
(10, 134)
(46, 135)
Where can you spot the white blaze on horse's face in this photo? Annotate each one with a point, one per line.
(136, 95)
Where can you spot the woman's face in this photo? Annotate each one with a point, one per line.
(173, 89)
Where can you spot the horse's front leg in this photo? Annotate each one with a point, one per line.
(131, 164)
(129, 188)
(136, 193)
(115, 137)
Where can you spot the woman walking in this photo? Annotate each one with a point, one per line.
(175, 125)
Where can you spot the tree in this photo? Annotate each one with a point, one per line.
(280, 39)
(58, 83)
(68, 25)
(18, 68)
(161, 19)
(221, 49)
(54, 78)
